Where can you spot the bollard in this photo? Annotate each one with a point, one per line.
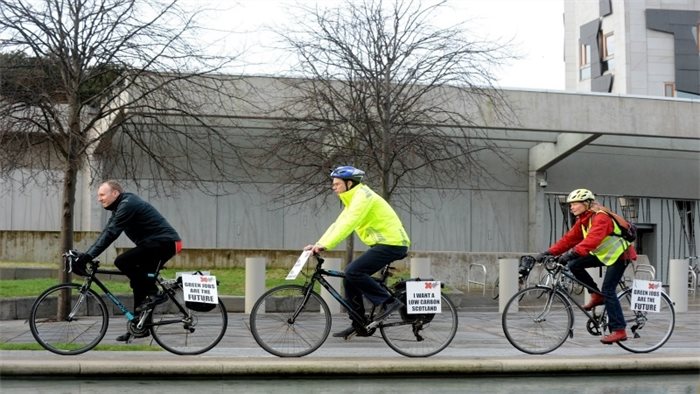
(254, 281)
(333, 305)
(678, 284)
(420, 267)
(507, 282)
(598, 277)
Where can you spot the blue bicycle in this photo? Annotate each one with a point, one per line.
(178, 326)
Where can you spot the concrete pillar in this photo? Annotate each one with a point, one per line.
(597, 276)
(254, 281)
(678, 284)
(507, 282)
(337, 283)
(420, 267)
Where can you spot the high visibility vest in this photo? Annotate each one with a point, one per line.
(612, 246)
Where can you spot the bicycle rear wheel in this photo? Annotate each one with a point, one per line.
(184, 331)
(420, 335)
(81, 330)
(285, 325)
(537, 320)
(649, 330)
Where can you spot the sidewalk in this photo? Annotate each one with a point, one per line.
(479, 348)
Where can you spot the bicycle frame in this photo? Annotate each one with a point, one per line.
(130, 316)
(94, 279)
(557, 274)
(319, 276)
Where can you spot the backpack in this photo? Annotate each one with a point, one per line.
(628, 230)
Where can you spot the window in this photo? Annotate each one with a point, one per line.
(670, 89)
(697, 36)
(584, 62)
(585, 57)
(607, 50)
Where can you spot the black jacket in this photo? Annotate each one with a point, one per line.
(138, 219)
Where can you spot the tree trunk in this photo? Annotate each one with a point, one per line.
(349, 249)
(67, 212)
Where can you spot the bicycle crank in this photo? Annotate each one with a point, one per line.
(593, 328)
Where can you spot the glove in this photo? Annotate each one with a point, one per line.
(83, 258)
(80, 264)
(540, 257)
(566, 257)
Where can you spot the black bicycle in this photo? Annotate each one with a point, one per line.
(293, 320)
(178, 326)
(539, 319)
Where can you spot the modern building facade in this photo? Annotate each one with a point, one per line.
(633, 47)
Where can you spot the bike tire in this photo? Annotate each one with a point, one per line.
(647, 331)
(274, 330)
(421, 335)
(80, 331)
(184, 331)
(537, 323)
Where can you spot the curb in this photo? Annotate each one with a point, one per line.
(259, 367)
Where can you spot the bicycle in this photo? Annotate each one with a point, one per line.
(178, 326)
(539, 325)
(293, 320)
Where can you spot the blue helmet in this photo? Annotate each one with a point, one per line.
(348, 173)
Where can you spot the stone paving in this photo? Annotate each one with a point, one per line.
(478, 348)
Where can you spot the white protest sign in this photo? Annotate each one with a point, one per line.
(646, 296)
(296, 269)
(200, 288)
(423, 297)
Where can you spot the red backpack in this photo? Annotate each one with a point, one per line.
(628, 229)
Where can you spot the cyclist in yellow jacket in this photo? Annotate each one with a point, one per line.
(379, 227)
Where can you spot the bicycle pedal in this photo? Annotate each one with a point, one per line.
(372, 326)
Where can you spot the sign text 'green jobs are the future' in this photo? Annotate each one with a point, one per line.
(646, 296)
(200, 288)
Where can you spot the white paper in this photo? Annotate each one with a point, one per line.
(200, 288)
(423, 297)
(296, 269)
(646, 296)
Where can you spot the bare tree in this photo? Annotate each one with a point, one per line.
(83, 79)
(388, 92)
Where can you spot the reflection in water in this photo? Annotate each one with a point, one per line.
(614, 384)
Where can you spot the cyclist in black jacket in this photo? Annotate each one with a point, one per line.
(156, 242)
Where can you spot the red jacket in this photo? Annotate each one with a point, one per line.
(601, 226)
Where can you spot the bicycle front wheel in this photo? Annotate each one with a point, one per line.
(83, 327)
(420, 335)
(537, 320)
(649, 330)
(286, 324)
(184, 331)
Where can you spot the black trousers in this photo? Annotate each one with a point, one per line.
(141, 264)
(358, 280)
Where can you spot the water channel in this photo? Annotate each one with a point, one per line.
(612, 384)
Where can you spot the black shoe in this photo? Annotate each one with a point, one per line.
(345, 333)
(128, 335)
(151, 301)
(389, 308)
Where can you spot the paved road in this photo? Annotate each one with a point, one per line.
(478, 348)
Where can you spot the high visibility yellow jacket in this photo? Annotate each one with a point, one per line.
(595, 233)
(370, 216)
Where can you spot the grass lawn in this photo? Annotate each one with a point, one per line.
(231, 282)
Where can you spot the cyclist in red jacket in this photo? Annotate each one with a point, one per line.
(595, 241)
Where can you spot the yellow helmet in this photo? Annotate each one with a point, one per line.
(580, 195)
